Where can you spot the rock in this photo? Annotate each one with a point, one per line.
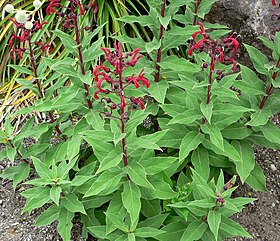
(273, 167)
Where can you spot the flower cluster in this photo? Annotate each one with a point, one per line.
(55, 7)
(26, 32)
(113, 81)
(216, 49)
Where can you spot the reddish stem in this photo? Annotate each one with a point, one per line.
(81, 59)
(122, 108)
(161, 30)
(270, 88)
(33, 65)
(195, 12)
(18, 153)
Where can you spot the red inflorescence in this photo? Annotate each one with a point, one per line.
(53, 4)
(120, 61)
(273, 2)
(26, 35)
(215, 48)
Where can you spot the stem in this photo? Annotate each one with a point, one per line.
(33, 65)
(160, 38)
(210, 81)
(18, 153)
(81, 59)
(195, 12)
(269, 89)
(122, 106)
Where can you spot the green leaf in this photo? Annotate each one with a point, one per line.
(194, 231)
(112, 160)
(106, 181)
(42, 169)
(68, 42)
(117, 221)
(72, 203)
(232, 229)
(247, 164)
(21, 69)
(200, 161)
(17, 173)
(155, 221)
(258, 58)
(187, 117)
(48, 216)
(271, 132)
(260, 117)
(65, 224)
(148, 232)
(93, 118)
(155, 165)
(236, 131)
(153, 45)
(174, 231)
(36, 150)
(138, 174)
(190, 142)
(55, 194)
(257, 179)
(131, 200)
(205, 7)
(37, 201)
(215, 135)
(214, 220)
(250, 83)
(73, 147)
(268, 43)
(162, 189)
(11, 153)
(207, 110)
(158, 90)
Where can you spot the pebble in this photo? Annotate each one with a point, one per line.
(1, 201)
(273, 167)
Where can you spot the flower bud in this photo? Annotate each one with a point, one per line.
(9, 8)
(37, 4)
(21, 17)
(28, 25)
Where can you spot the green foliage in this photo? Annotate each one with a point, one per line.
(155, 172)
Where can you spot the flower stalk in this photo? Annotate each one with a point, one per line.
(78, 41)
(270, 88)
(196, 5)
(161, 30)
(114, 82)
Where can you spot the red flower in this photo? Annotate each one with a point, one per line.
(82, 11)
(273, 2)
(12, 40)
(100, 91)
(53, 4)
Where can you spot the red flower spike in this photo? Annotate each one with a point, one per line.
(221, 52)
(233, 42)
(53, 4)
(22, 37)
(11, 54)
(100, 91)
(273, 2)
(123, 103)
(14, 21)
(212, 67)
(140, 103)
(12, 39)
(82, 11)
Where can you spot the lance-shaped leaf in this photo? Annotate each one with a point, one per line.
(72, 203)
(194, 231)
(215, 135)
(200, 160)
(48, 216)
(131, 200)
(190, 142)
(214, 220)
(65, 223)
